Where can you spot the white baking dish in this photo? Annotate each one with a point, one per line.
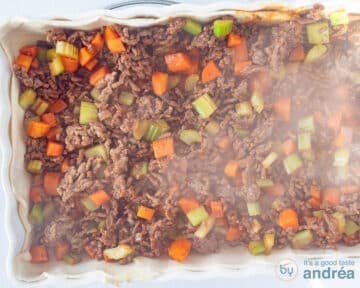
(14, 181)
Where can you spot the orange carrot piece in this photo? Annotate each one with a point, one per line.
(179, 249)
(57, 106)
(179, 62)
(240, 66)
(91, 64)
(210, 72)
(160, 83)
(233, 233)
(163, 147)
(110, 33)
(24, 61)
(51, 182)
(70, 64)
(30, 50)
(217, 209)
(116, 45)
(39, 254)
(349, 189)
(85, 56)
(97, 42)
(99, 74)
(331, 197)
(53, 133)
(276, 190)
(298, 54)
(288, 147)
(65, 165)
(91, 251)
(54, 149)
(61, 249)
(288, 218)
(145, 213)
(241, 51)
(315, 192)
(99, 197)
(339, 140)
(223, 143)
(35, 63)
(231, 168)
(187, 204)
(282, 108)
(35, 194)
(314, 203)
(37, 129)
(234, 40)
(49, 118)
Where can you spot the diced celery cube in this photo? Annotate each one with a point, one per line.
(190, 82)
(318, 33)
(350, 227)
(253, 208)
(189, 136)
(88, 113)
(222, 27)
(292, 163)
(212, 128)
(34, 166)
(304, 141)
(269, 160)
(156, 129)
(205, 227)
(256, 247)
(306, 124)
(192, 27)
(126, 98)
(27, 98)
(98, 150)
(257, 101)
(341, 157)
(339, 17)
(243, 108)
(302, 239)
(67, 49)
(205, 106)
(197, 215)
(140, 128)
(264, 183)
(36, 215)
(315, 53)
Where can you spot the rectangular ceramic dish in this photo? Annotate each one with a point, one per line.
(14, 181)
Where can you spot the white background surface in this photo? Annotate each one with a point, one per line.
(47, 8)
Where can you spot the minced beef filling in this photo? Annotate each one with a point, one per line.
(325, 91)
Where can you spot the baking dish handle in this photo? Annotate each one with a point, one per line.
(132, 3)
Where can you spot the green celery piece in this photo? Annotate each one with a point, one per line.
(36, 104)
(98, 150)
(292, 163)
(192, 27)
(350, 227)
(197, 215)
(51, 54)
(95, 93)
(156, 129)
(56, 67)
(253, 208)
(269, 160)
(318, 33)
(339, 17)
(72, 258)
(126, 98)
(307, 124)
(88, 204)
(304, 141)
(41, 54)
(88, 112)
(34, 166)
(140, 128)
(212, 128)
(340, 222)
(36, 215)
(27, 98)
(269, 241)
(341, 157)
(315, 53)
(49, 209)
(67, 49)
(92, 227)
(205, 227)
(41, 109)
(190, 82)
(257, 101)
(256, 247)
(139, 169)
(173, 81)
(102, 225)
(119, 252)
(241, 133)
(277, 204)
(264, 183)
(222, 27)
(302, 239)
(243, 108)
(189, 136)
(205, 106)
(318, 213)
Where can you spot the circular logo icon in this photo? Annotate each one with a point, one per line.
(286, 269)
